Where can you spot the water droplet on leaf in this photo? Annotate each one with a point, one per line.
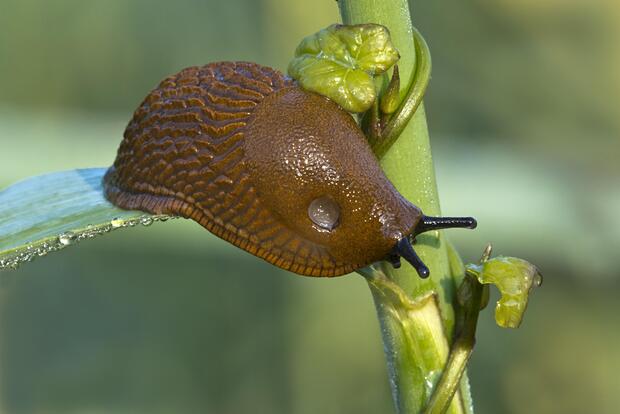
(67, 238)
(116, 222)
(538, 279)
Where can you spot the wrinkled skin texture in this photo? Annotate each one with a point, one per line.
(244, 151)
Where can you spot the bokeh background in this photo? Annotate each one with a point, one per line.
(525, 126)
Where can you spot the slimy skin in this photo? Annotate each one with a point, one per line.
(244, 151)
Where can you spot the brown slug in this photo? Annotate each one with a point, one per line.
(280, 172)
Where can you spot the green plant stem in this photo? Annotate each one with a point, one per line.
(412, 100)
(416, 342)
(462, 346)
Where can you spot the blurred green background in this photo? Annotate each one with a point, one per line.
(525, 126)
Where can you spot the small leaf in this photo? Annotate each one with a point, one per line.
(340, 62)
(514, 278)
(390, 99)
(47, 213)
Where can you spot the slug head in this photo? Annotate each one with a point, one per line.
(313, 168)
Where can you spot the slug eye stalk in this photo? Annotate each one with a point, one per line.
(404, 249)
(428, 223)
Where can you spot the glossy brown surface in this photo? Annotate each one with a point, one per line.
(243, 151)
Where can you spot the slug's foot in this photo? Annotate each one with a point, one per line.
(404, 249)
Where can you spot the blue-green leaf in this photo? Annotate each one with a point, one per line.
(47, 213)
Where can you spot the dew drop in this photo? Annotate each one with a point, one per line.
(25, 257)
(67, 238)
(116, 222)
(146, 220)
(538, 279)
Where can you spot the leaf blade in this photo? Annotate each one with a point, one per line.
(49, 212)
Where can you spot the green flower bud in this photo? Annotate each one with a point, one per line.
(391, 96)
(340, 62)
(514, 278)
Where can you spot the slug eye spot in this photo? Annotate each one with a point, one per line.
(324, 212)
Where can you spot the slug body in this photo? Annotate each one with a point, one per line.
(280, 172)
